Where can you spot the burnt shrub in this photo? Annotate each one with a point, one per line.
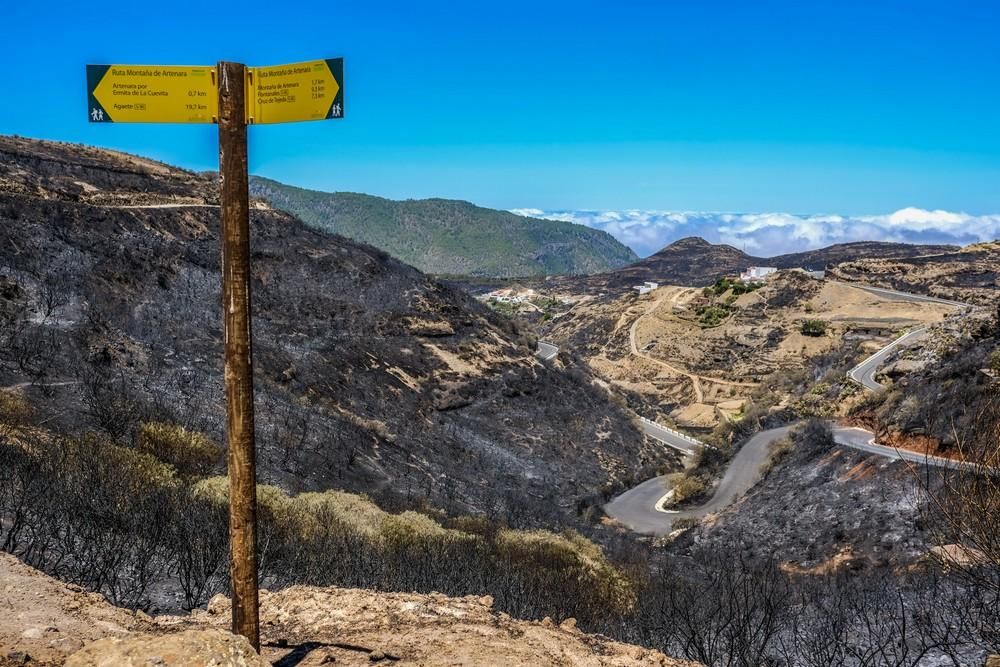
(88, 512)
(814, 436)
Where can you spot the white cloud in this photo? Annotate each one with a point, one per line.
(528, 212)
(776, 233)
(916, 218)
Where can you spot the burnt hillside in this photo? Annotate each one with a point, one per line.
(370, 376)
(971, 274)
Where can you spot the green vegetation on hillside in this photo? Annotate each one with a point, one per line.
(813, 328)
(442, 236)
(721, 301)
(713, 315)
(505, 308)
(723, 285)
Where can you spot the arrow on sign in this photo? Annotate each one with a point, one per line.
(151, 94)
(312, 90)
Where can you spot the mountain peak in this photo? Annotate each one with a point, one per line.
(699, 246)
(690, 242)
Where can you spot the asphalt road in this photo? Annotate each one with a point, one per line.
(669, 437)
(894, 295)
(546, 351)
(637, 507)
(864, 373)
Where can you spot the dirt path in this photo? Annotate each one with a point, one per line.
(674, 295)
(17, 386)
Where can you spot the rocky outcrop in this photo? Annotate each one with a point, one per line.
(191, 648)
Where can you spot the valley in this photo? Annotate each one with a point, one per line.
(539, 334)
(575, 449)
(697, 356)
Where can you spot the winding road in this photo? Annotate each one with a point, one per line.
(894, 295)
(864, 373)
(641, 508)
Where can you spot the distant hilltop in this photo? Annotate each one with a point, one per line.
(694, 261)
(449, 237)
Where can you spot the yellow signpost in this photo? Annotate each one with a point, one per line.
(311, 90)
(151, 94)
(233, 96)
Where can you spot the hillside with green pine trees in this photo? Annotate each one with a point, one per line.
(443, 236)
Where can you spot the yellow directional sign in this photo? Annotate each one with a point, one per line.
(151, 94)
(311, 90)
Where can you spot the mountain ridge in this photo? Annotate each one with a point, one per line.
(696, 262)
(446, 236)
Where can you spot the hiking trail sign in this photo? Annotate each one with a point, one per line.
(233, 96)
(312, 90)
(301, 91)
(151, 94)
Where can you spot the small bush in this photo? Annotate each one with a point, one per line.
(685, 524)
(814, 436)
(741, 288)
(191, 453)
(779, 450)
(813, 328)
(15, 411)
(685, 486)
(712, 316)
(505, 308)
(721, 286)
(570, 562)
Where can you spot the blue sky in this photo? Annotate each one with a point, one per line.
(809, 107)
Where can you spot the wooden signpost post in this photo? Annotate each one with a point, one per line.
(233, 96)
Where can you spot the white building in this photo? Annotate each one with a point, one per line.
(755, 273)
(646, 287)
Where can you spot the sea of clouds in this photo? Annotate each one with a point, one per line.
(768, 234)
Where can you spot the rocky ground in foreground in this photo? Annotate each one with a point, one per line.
(47, 622)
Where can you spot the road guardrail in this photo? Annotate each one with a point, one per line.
(676, 434)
